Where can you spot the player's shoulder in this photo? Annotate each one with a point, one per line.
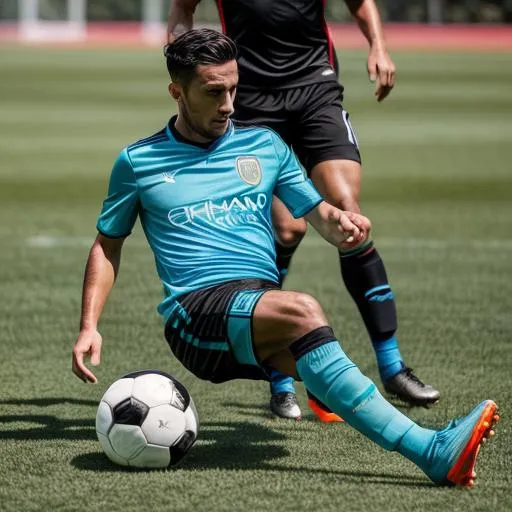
(143, 149)
(256, 131)
(157, 137)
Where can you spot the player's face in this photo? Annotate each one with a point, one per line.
(207, 102)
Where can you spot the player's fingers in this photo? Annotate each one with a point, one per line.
(384, 76)
(345, 221)
(95, 354)
(349, 229)
(80, 370)
(334, 215)
(77, 372)
(363, 225)
(378, 89)
(359, 219)
(362, 222)
(372, 69)
(392, 76)
(382, 93)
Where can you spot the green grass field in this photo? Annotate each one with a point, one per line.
(438, 187)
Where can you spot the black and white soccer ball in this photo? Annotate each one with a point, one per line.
(146, 419)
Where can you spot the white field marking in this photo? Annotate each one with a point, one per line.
(49, 241)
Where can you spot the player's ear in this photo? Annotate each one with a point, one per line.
(175, 90)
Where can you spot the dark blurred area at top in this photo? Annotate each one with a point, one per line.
(415, 11)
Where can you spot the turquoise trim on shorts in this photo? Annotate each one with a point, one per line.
(240, 325)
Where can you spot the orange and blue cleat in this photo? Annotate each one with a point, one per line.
(321, 411)
(454, 451)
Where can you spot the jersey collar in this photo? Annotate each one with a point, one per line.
(176, 137)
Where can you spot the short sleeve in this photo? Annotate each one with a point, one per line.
(120, 207)
(293, 186)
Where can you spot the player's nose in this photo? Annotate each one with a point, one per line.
(226, 108)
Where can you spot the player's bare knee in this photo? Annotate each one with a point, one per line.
(290, 233)
(308, 313)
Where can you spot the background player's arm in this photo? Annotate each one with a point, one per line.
(100, 274)
(344, 230)
(380, 66)
(180, 18)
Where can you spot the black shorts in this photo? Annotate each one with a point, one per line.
(210, 330)
(309, 118)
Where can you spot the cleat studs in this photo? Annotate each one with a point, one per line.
(473, 475)
(491, 433)
(496, 417)
(471, 482)
(484, 440)
(486, 424)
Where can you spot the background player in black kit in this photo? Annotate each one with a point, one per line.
(288, 81)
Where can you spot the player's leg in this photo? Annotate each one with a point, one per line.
(268, 109)
(290, 332)
(329, 151)
(289, 232)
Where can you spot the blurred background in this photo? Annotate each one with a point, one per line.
(39, 19)
(422, 11)
(79, 80)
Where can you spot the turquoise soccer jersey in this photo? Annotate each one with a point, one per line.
(206, 210)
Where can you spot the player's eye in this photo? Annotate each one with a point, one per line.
(215, 92)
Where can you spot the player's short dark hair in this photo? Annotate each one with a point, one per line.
(197, 47)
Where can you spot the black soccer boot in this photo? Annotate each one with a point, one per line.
(406, 386)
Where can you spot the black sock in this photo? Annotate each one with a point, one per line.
(284, 256)
(366, 280)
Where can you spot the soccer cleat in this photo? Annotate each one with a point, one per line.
(285, 405)
(452, 455)
(406, 386)
(325, 416)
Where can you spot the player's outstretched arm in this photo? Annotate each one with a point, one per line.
(381, 69)
(180, 18)
(100, 274)
(344, 230)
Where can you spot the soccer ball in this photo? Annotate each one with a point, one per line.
(146, 419)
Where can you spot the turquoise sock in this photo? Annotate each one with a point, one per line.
(281, 383)
(332, 377)
(389, 359)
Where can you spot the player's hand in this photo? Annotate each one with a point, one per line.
(88, 345)
(352, 228)
(382, 71)
(363, 224)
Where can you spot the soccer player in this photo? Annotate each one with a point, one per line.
(202, 189)
(288, 82)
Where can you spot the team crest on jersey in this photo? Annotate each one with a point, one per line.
(249, 169)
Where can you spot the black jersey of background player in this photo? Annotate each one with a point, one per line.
(281, 43)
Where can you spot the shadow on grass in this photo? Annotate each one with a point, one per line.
(245, 446)
(257, 458)
(48, 427)
(46, 402)
(222, 445)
